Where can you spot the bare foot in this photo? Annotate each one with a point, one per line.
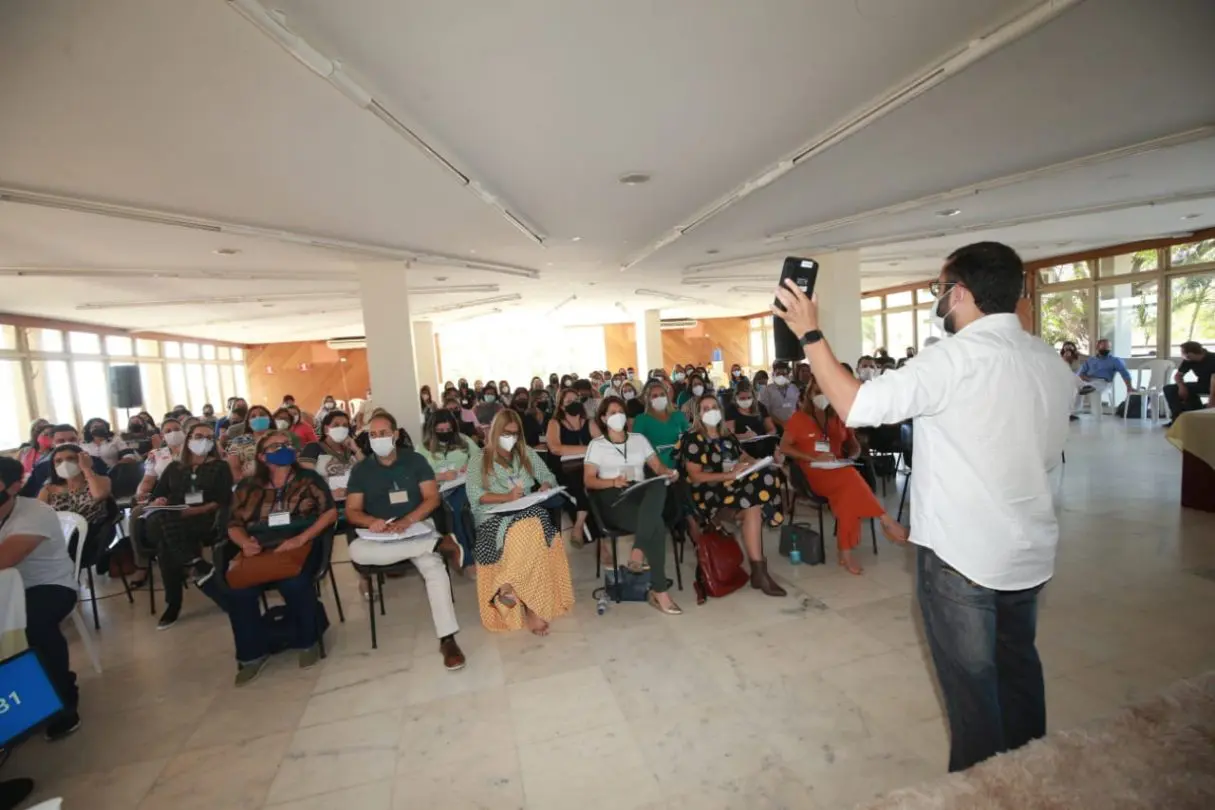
(538, 626)
(894, 531)
(852, 565)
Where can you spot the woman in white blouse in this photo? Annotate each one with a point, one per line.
(614, 462)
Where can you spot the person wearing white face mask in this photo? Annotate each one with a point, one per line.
(749, 420)
(614, 462)
(686, 401)
(712, 457)
(866, 368)
(780, 398)
(661, 424)
(202, 483)
(337, 449)
(73, 486)
(633, 406)
(523, 578)
(816, 434)
(396, 485)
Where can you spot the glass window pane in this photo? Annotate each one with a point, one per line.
(242, 381)
(52, 391)
(147, 348)
(225, 353)
(190, 351)
(1126, 315)
(1065, 316)
(178, 393)
(215, 394)
(238, 354)
(1192, 253)
(871, 303)
(8, 336)
(171, 348)
(152, 381)
(925, 328)
(757, 347)
(902, 299)
(15, 416)
(922, 296)
(871, 333)
(1193, 311)
(1065, 272)
(119, 346)
(84, 343)
(1141, 261)
(899, 333)
(93, 389)
(229, 388)
(198, 389)
(46, 340)
(208, 351)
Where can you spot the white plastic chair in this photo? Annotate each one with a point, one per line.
(1158, 377)
(72, 523)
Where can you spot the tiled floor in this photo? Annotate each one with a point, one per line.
(814, 701)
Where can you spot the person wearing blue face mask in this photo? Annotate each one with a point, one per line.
(242, 451)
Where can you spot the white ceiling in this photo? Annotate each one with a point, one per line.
(185, 107)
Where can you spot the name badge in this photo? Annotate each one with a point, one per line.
(822, 446)
(194, 498)
(728, 465)
(279, 519)
(398, 496)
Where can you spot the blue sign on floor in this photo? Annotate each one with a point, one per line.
(27, 698)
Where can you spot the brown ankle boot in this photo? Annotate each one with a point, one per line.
(762, 581)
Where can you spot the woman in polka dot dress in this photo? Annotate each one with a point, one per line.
(709, 454)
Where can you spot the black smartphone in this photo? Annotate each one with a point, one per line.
(804, 272)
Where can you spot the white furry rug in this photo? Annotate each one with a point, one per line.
(1159, 754)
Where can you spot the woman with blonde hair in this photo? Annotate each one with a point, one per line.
(661, 423)
(523, 578)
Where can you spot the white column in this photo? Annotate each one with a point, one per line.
(394, 382)
(426, 360)
(839, 302)
(649, 342)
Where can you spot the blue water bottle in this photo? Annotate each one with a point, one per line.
(795, 556)
(602, 605)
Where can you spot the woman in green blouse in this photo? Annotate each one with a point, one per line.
(523, 578)
(447, 452)
(661, 423)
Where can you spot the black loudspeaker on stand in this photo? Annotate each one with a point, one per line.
(125, 389)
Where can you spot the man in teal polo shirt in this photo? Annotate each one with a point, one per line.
(395, 483)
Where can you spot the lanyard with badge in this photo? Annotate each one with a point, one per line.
(822, 443)
(279, 514)
(397, 496)
(194, 496)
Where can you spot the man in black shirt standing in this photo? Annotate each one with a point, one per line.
(1182, 397)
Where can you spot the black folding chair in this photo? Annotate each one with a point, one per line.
(905, 439)
(802, 489)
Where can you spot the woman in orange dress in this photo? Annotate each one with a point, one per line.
(816, 433)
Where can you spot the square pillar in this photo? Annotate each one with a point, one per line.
(649, 342)
(390, 344)
(839, 302)
(426, 357)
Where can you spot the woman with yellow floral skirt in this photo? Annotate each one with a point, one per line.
(709, 453)
(523, 578)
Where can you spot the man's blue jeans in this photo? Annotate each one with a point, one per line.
(982, 644)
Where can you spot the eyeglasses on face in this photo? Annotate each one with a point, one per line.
(939, 288)
(273, 446)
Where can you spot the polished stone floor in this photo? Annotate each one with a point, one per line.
(819, 700)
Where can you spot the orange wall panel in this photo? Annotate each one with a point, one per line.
(309, 371)
(694, 345)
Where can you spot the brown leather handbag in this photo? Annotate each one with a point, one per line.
(269, 566)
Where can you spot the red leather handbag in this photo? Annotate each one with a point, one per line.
(719, 565)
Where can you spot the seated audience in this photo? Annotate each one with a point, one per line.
(230, 426)
(695, 387)
(866, 368)
(208, 414)
(661, 424)
(100, 441)
(759, 382)
(816, 433)
(37, 447)
(1072, 356)
(711, 455)
(60, 435)
(447, 452)
(173, 442)
(615, 461)
(536, 384)
(328, 405)
(396, 485)
(588, 395)
(365, 410)
(281, 509)
(536, 416)
(781, 397)
(1183, 396)
(334, 455)
(569, 433)
(748, 420)
(202, 483)
(242, 451)
(1098, 372)
(632, 405)
(73, 487)
(31, 542)
(488, 407)
(523, 578)
(301, 427)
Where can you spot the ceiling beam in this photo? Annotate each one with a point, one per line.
(904, 91)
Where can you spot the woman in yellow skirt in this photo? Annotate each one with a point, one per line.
(523, 578)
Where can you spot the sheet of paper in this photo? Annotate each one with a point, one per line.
(759, 465)
(624, 493)
(458, 481)
(831, 465)
(151, 510)
(339, 481)
(574, 457)
(418, 531)
(758, 438)
(525, 502)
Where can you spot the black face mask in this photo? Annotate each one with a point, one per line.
(575, 409)
(239, 415)
(1103, 352)
(544, 405)
(100, 433)
(520, 405)
(447, 437)
(4, 496)
(583, 397)
(135, 428)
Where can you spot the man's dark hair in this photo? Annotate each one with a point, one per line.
(1193, 347)
(64, 429)
(993, 273)
(11, 472)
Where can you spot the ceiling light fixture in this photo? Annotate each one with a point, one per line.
(949, 212)
(742, 289)
(563, 303)
(669, 296)
(217, 300)
(912, 87)
(273, 24)
(965, 192)
(575, 238)
(1191, 216)
(500, 299)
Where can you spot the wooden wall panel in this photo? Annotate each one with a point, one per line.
(275, 370)
(695, 345)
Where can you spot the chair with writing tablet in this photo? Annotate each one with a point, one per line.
(802, 489)
(74, 524)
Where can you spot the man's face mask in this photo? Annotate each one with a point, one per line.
(942, 313)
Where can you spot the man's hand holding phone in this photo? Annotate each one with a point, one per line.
(800, 312)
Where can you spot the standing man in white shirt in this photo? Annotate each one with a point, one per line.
(990, 406)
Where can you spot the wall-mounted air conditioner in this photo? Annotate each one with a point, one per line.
(677, 323)
(347, 343)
